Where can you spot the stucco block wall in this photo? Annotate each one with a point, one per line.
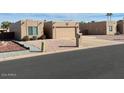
(83, 28)
(98, 28)
(120, 26)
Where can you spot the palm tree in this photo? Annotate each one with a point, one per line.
(109, 16)
(5, 24)
(82, 22)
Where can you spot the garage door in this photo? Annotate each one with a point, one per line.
(65, 33)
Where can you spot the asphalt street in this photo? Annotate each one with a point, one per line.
(97, 63)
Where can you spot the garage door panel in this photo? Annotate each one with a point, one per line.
(65, 33)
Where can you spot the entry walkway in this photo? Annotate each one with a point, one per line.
(32, 48)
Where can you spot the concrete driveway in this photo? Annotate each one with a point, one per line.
(98, 63)
(52, 45)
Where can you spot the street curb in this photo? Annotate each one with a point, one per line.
(60, 51)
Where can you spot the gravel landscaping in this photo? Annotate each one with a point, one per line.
(8, 46)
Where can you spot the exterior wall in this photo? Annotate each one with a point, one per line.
(62, 30)
(48, 29)
(120, 26)
(97, 28)
(26, 23)
(114, 27)
(16, 28)
(21, 28)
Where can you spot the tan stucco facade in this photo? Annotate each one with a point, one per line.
(98, 28)
(21, 28)
(112, 24)
(61, 30)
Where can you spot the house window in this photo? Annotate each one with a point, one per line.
(33, 30)
(110, 28)
(30, 31)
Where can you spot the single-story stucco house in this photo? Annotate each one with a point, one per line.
(28, 28)
(2, 30)
(60, 29)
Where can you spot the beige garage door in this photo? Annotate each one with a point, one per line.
(65, 33)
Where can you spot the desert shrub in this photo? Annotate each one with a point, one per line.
(31, 38)
(25, 38)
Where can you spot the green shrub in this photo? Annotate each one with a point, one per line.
(25, 38)
(31, 38)
(34, 37)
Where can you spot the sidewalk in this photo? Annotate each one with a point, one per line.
(13, 54)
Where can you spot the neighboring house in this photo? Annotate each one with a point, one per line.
(2, 30)
(99, 28)
(120, 26)
(61, 30)
(28, 28)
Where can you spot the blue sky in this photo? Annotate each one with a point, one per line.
(13, 17)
